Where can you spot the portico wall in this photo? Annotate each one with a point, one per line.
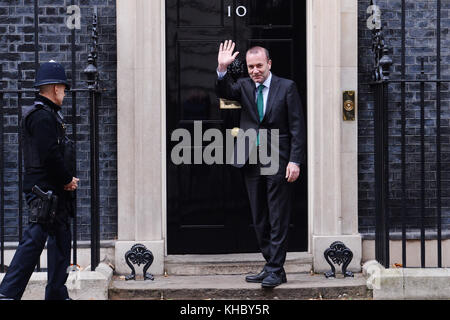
(332, 143)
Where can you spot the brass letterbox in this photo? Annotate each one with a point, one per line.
(229, 104)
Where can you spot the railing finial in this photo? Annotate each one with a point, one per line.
(383, 62)
(91, 70)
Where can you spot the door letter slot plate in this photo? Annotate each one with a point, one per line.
(229, 104)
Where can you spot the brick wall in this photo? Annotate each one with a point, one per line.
(421, 42)
(17, 50)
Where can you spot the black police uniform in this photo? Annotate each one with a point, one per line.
(43, 135)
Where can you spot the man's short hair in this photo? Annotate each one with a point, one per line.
(46, 88)
(257, 49)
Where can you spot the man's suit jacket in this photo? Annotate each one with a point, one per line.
(283, 112)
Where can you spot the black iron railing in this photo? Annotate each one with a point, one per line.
(93, 91)
(392, 95)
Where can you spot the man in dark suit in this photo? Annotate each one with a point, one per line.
(273, 104)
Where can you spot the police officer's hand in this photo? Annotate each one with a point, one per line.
(72, 186)
(292, 172)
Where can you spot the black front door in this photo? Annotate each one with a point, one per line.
(207, 206)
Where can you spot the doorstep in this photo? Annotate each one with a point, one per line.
(300, 286)
(229, 264)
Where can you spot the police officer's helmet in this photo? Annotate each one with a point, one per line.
(51, 73)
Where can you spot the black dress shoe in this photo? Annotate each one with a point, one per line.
(257, 278)
(2, 297)
(273, 280)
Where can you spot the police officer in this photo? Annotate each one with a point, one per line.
(48, 186)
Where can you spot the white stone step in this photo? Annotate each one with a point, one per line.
(228, 264)
(233, 287)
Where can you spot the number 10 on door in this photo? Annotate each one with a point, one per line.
(241, 11)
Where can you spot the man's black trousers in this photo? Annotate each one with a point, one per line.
(271, 203)
(27, 256)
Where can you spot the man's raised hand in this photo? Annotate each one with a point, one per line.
(226, 56)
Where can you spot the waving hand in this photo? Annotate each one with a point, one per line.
(226, 55)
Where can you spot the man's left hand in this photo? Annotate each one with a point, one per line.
(292, 172)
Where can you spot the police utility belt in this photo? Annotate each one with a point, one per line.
(43, 208)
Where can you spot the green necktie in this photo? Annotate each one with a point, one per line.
(260, 104)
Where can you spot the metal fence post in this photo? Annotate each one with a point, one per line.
(91, 72)
(380, 76)
(2, 182)
(381, 177)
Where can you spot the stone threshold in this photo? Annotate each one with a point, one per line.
(229, 264)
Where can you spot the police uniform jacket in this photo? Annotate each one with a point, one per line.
(43, 152)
